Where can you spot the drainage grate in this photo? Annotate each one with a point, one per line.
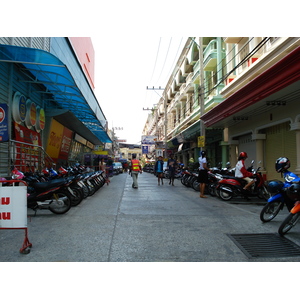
(265, 245)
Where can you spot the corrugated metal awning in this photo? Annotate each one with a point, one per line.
(44, 68)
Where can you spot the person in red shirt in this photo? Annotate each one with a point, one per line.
(241, 171)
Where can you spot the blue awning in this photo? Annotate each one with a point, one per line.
(42, 67)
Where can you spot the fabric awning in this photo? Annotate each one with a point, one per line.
(42, 67)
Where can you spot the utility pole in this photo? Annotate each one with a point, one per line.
(165, 109)
(202, 127)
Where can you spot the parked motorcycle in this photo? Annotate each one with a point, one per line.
(232, 187)
(278, 199)
(53, 195)
(291, 220)
(280, 192)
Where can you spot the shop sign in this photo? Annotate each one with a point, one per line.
(3, 122)
(90, 145)
(145, 149)
(59, 141)
(13, 207)
(201, 141)
(26, 154)
(40, 119)
(149, 139)
(26, 111)
(30, 119)
(65, 144)
(19, 108)
(80, 139)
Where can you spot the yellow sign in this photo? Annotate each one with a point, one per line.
(55, 138)
(201, 141)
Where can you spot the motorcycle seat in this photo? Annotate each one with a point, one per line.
(49, 184)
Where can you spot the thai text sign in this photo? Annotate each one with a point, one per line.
(13, 207)
(3, 123)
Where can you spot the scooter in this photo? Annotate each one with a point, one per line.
(232, 187)
(279, 197)
(291, 220)
(53, 195)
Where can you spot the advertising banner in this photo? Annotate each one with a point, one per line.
(145, 149)
(3, 123)
(13, 207)
(59, 141)
(26, 154)
(149, 139)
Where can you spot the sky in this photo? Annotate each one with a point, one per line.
(136, 43)
(123, 70)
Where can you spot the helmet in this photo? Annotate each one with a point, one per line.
(282, 164)
(243, 155)
(275, 186)
(293, 192)
(203, 153)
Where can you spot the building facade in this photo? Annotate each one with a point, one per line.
(233, 94)
(52, 116)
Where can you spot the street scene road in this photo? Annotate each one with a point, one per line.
(150, 224)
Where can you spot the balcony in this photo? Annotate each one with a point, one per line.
(196, 73)
(231, 40)
(210, 56)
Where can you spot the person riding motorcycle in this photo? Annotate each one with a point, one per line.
(241, 171)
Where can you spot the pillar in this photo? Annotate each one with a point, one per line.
(259, 138)
(296, 126)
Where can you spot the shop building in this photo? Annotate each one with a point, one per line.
(233, 94)
(50, 115)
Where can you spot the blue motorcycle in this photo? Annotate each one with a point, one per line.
(278, 190)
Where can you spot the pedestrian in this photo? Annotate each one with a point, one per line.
(171, 165)
(203, 173)
(241, 171)
(102, 167)
(135, 170)
(159, 169)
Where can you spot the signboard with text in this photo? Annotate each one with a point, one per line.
(13, 207)
(3, 123)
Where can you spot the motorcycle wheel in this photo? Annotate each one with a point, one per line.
(92, 189)
(224, 195)
(270, 211)
(289, 222)
(61, 204)
(85, 191)
(211, 187)
(263, 193)
(78, 196)
(196, 186)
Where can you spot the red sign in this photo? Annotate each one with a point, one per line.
(26, 151)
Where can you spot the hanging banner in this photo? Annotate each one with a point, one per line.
(145, 149)
(149, 139)
(3, 123)
(201, 141)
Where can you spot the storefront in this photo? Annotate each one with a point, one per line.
(48, 119)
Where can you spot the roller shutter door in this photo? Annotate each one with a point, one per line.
(280, 141)
(246, 144)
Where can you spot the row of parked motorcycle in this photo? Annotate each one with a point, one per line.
(278, 194)
(59, 190)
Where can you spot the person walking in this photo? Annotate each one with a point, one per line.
(102, 167)
(135, 170)
(202, 176)
(159, 169)
(171, 165)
